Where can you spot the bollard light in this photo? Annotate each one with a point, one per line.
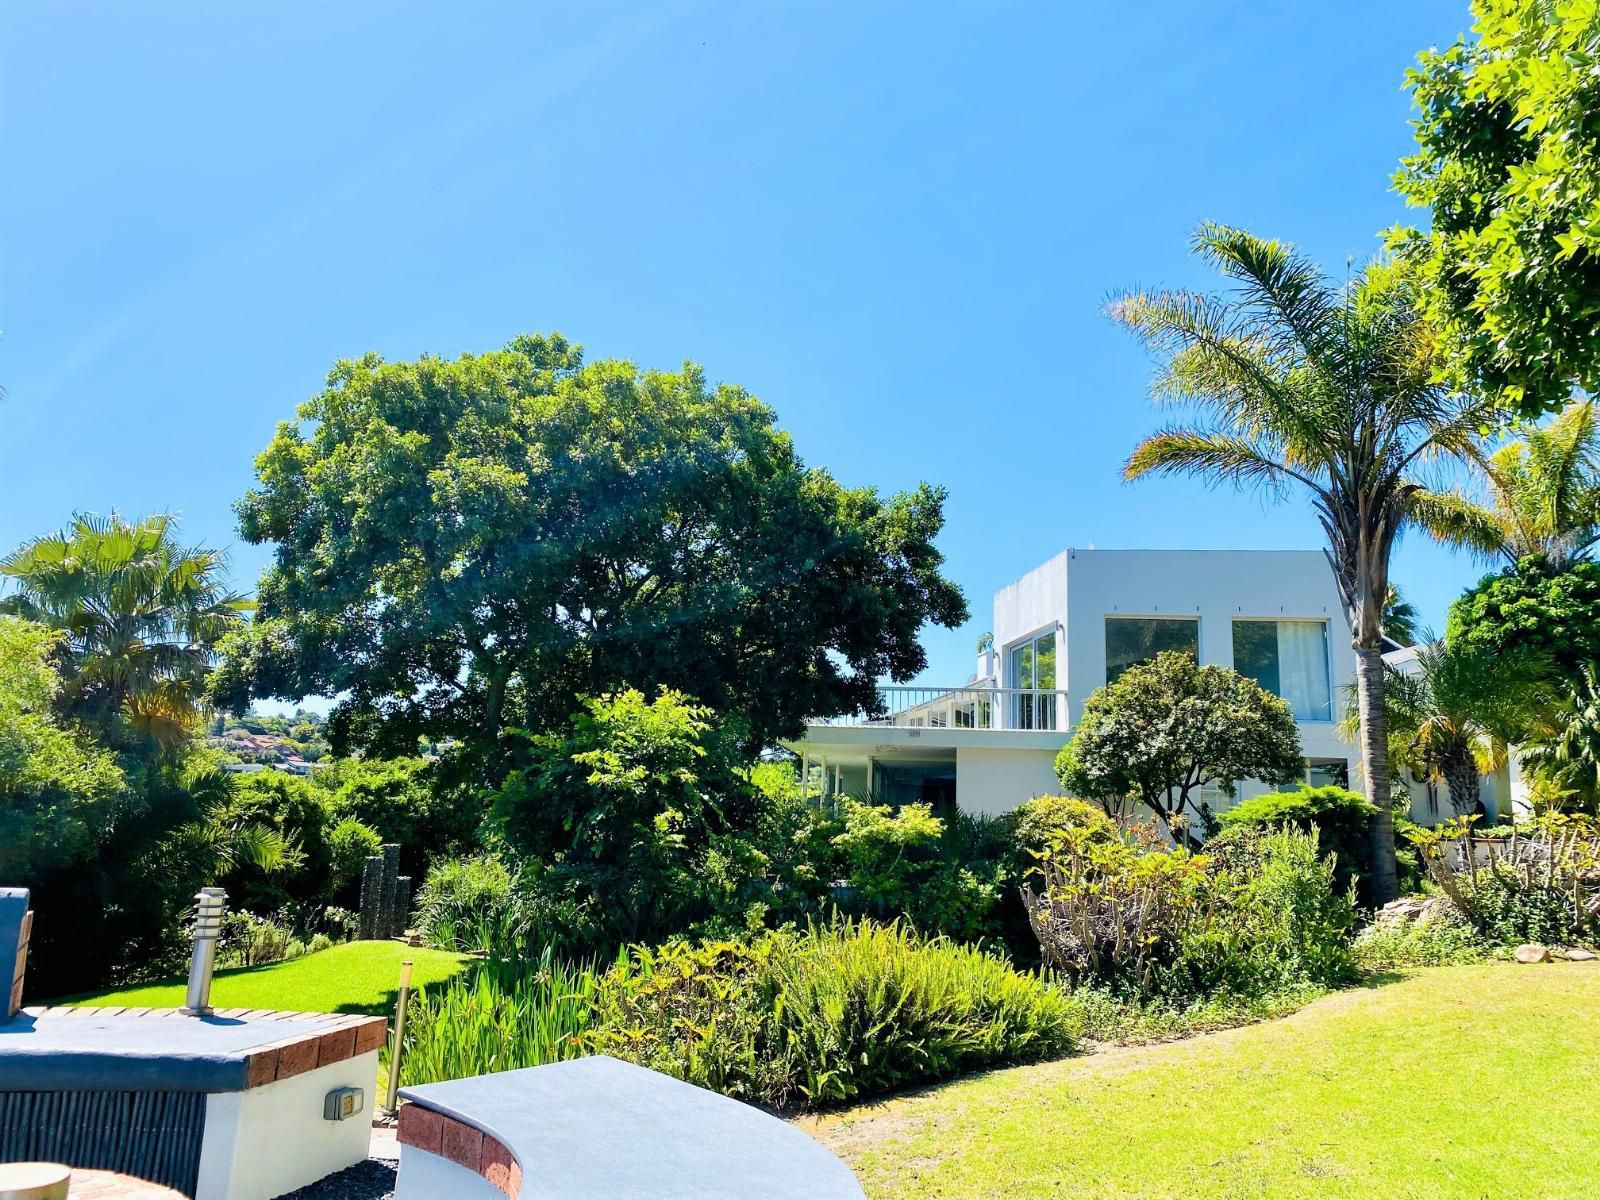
(210, 904)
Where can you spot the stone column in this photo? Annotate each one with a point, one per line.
(391, 872)
(402, 906)
(371, 893)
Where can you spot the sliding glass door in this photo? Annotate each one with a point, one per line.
(1033, 667)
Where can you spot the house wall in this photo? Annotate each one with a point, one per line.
(1034, 603)
(992, 782)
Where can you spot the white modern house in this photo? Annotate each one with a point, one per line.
(1063, 630)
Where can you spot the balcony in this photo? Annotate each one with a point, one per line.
(975, 707)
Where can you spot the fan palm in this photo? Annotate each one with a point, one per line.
(1544, 495)
(1294, 381)
(140, 613)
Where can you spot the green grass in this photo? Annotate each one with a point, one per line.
(353, 977)
(1467, 1081)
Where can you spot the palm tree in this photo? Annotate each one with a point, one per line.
(1399, 618)
(1452, 715)
(1295, 381)
(141, 615)
(1563, 747)
(1544, 495)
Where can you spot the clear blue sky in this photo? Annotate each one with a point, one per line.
(896, 223)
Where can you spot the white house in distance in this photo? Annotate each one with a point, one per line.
(1063, 630)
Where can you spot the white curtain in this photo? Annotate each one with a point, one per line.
(1303, 669)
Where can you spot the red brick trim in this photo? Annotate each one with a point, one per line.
(338, 1037)
(465, 1145)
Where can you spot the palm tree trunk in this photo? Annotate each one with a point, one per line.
(1383, 879)
(1461, 776)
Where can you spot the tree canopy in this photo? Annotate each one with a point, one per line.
(470, 545)
(1508, 162)
(1550, 612)
(1164, 730)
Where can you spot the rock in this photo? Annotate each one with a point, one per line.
(1581, 955)
(1413, 908)
(1532, 953)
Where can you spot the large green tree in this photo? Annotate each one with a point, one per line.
(55, 788)
(140, 616)
(1293, 381)
(1547, 610)
(1163, 731)
(467, 546)
(1508, 163)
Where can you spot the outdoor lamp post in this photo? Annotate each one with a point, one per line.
(210, 904)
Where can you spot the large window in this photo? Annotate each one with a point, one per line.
(1289, 659)
(1033, 666)
(1134, 640)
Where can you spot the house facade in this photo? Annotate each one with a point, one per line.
(1066, 628)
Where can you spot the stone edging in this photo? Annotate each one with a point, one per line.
(339, 1037)
(466, 1146)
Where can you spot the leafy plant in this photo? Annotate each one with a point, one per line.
(1163, 730)
(501, 1017)
(467, 905)
(1339, 817)
(1539, 885)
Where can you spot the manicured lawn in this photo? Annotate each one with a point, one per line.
(353, 977)
(1478, 1081)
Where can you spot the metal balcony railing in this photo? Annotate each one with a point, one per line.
(962, 708)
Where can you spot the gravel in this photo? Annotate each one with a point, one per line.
(369, 1180)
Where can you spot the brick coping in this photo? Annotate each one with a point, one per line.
(465, 1145)
(337, 1037)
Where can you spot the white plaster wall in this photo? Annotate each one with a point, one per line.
(1034, 603)
(1216, 586)
(273, 1139)
(992, 782)
(427, 1176)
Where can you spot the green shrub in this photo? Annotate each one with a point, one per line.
(698, 1013)
(350, 843)
(249, 941)
(1152, 923)
(1038, 822)
(1340, 818)
(465, 904)
(864, 1009)
(837, 1013)
(1539, 886)
(1443, 939)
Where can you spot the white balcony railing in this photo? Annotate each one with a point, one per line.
(963, 708)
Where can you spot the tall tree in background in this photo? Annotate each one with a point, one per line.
(467, 546)
(141, 616)
(1544, 496)
(1508, 163)
(1296, 382)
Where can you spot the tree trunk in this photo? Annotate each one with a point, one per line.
(1383, 878)
(1461, 776)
